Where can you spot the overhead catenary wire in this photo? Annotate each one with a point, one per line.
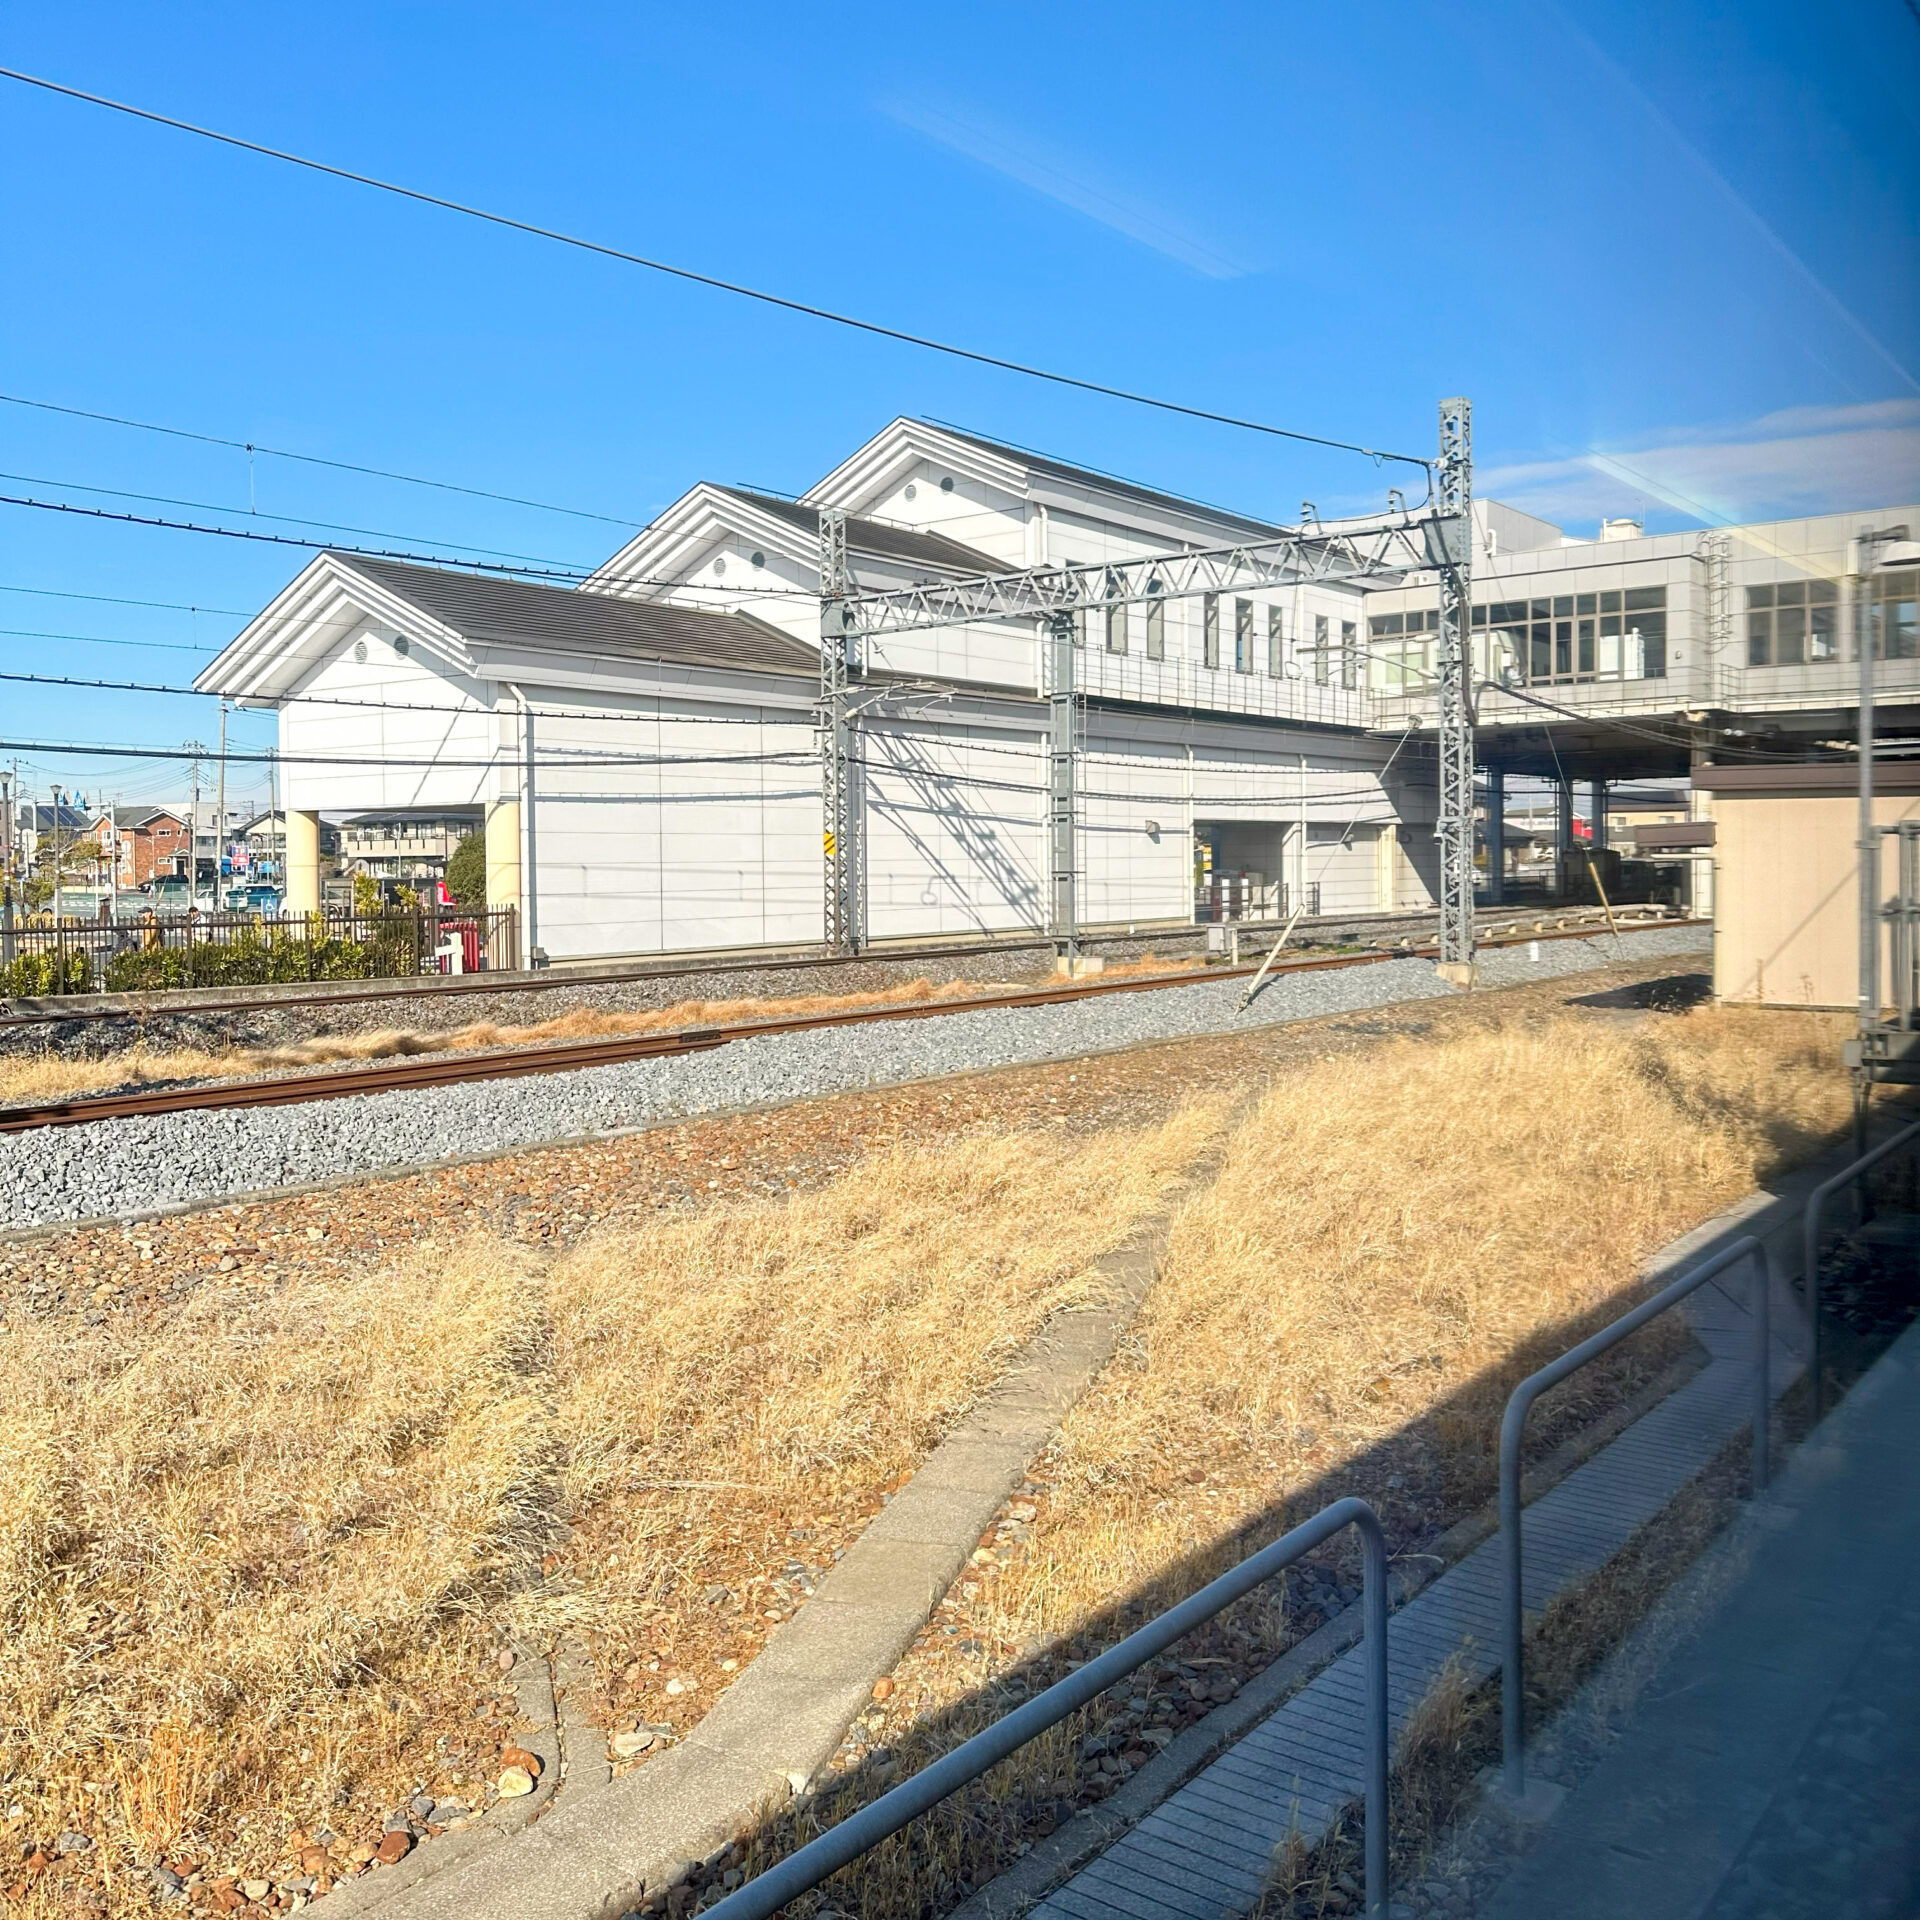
(447, 563)
(713, 281)
(280, 519)
(317, 460)
(121, 600)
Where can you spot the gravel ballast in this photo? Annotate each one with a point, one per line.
(119, 1168)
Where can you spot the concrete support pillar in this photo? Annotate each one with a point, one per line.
(503, 865)
(1599, 815)
(1387, 867)
(1496, 836)
(303, 862)
(1562, 838)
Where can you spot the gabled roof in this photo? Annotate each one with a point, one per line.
(483, 608)
(458, 619)
(873, 468)
(1102, 482)
(907, 544)
(135, 818)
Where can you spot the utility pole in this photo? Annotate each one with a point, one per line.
(1452, 552)
(837, 643)
(55, 829)
(1063, 825)
(220, 815)
(194, 751)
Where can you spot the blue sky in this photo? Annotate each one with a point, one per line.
(1669, 251)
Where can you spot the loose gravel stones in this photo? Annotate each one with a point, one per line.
(123, 1167)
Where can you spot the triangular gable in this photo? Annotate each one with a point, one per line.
(312, 616)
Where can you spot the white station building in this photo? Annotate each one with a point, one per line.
(645, 754)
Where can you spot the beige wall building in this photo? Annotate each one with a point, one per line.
(1786, 866)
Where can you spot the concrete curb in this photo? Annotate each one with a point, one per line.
(600, 1851)
(534, 1699)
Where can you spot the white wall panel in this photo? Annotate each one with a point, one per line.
(955, 833)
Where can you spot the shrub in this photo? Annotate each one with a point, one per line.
(34, 976)
(467, 872)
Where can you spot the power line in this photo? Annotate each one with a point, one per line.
(794, 756)
(283, 519)
(314, 460)
(447, 563)
(95, 640)
(116, 600)
(285, 539)
(1375, 454)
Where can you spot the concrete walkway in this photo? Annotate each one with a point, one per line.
(1772, 1770)
(1207, 1850)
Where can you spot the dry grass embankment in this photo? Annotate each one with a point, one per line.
(1391, 1244)
(27, 1080)
(255, 1558)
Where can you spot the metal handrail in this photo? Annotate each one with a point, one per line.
(1513, 1768)
(840, 1845)
(1810, 1248)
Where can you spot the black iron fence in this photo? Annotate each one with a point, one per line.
(41, 956)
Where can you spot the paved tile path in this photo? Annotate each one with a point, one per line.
(1769, 1771)
(1205, 1852)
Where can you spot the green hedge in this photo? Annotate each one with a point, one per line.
(253, 958)
(35, 976)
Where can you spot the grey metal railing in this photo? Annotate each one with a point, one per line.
(1513, 1767)
(840, 1845)
(1810, 1249)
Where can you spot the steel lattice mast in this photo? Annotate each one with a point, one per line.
(838, 641)
(1453, 539)
(1379, 552)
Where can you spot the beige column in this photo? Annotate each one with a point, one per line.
(503, 859)
(303, 862)
(1387, 860)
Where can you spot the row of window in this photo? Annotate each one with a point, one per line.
(1257, 646)
(1619, 634)
(1796, 622)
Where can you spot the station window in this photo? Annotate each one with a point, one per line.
(1615, 634)
(1320, 650)
(1243, 636)
(1210, 629)
(1896, 616)
(1276, 644)
(1116, 621)
(1793, 622)
(1156, 625)
(1349, 653)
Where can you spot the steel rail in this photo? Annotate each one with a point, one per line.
(547, 980)
(1513, 1761)
(512, 1063)
(860, 1833)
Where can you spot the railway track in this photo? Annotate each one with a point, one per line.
(564, 1057)
(303, 996)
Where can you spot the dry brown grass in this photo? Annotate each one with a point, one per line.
(1320, 1299)
(1392, 1242)
(783, 1355)
(235, 1549)
(29, 1080)
(251, 1556)
(255, 1555)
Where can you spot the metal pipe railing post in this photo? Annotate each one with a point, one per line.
(861, 1832)
(1810, 1246)
(1513, 1765)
